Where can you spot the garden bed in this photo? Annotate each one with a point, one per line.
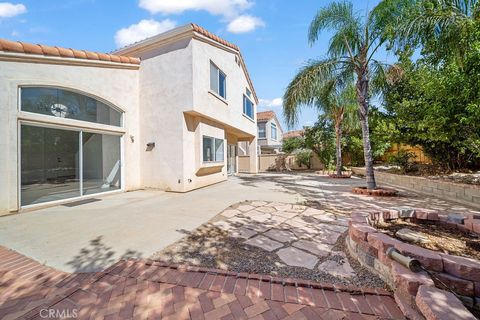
(435, 173)
(442, 238)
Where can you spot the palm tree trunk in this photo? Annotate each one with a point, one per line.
(363, 100)
(338, 142)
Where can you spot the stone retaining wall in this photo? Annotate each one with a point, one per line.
(463, 193)
(413, 291)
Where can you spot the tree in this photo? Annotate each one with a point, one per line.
(291, 144)
(351, 51)
(321, 139)
(443, 28)
(335, 101)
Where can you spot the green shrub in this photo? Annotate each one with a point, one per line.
(403, 159)
(303, 157)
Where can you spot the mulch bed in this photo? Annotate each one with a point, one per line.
(443, 238)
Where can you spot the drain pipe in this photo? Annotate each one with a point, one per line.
(412, 264)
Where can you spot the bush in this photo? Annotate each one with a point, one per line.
(291, 144)
(403, 159)
(304, 157)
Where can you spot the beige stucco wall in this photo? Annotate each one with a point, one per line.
(167, 101)
(118, 86)
(165, 93)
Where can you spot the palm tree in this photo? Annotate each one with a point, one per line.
(335, 101)
(351, 51)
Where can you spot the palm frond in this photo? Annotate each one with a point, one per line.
(336, 16)
(304, 88)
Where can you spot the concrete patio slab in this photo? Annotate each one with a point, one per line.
(92, 236)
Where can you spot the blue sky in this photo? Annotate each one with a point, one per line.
(272, 34)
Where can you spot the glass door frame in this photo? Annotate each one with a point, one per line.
(80, 130)
(231, 158)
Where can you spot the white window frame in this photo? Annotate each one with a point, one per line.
(218, 72)
(246, 98)
(214, 151)
(273, 127)
(46, 121)
(265, 131)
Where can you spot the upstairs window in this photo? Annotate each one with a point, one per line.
(262, 132)
(248, 107)
(213, 149)
(218, 81)
(274, 131)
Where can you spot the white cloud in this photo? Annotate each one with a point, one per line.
(274, 103)
(244, 23)
(8, 10)
(142, 30)
(226, 8)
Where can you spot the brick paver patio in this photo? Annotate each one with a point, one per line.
(137, 289)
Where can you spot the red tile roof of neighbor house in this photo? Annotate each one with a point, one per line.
(265, 115)
(293, 134)
(40, 49)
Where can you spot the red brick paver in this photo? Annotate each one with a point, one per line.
(137, 289)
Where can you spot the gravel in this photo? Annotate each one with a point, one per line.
(211, 247)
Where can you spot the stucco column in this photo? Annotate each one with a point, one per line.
(253, 149)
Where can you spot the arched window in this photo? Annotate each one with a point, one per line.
(63, 103)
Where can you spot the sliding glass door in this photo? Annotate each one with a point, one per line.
(58, 164)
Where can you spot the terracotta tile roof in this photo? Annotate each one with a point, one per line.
(212, 36)
(265, 115)
(216, 38)
(39, 49)
(293, 134)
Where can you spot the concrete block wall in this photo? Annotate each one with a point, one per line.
(462, 193)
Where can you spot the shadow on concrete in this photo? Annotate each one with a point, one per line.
(97, 256)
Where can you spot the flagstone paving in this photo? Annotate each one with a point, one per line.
(272, 237)
(137, 289)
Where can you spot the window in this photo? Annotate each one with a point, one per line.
(248, 108)
(213, 149)
(274, 131)
(63, 103)
(262, 133)
(59, 164)
(249, 93)
(218, 81)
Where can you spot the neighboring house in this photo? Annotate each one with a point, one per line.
(270, 132)
(166, 113)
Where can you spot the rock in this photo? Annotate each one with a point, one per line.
(455, 218)
(412, 236)
(297, 258)
(339, 269)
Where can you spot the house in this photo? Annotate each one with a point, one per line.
(164, 113)
(270, 132)
(293, 134)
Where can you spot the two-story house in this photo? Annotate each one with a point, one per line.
(270, 133)
(166, 113)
